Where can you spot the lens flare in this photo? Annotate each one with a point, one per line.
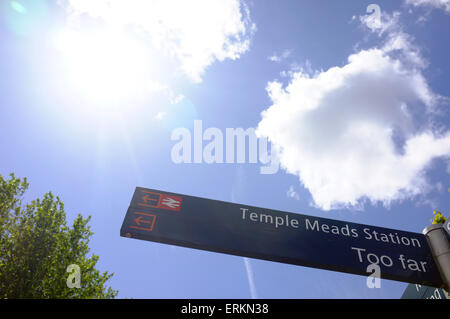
(24, 17)
(16, 6)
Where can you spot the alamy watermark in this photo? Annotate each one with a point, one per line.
(374, 279)
(374, 19)
(74, 279)
(229, 147)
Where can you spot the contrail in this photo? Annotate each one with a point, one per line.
(251, 278)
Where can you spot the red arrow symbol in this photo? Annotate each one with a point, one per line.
(146, 198)
(139, 220)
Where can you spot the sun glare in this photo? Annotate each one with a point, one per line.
(104, 66)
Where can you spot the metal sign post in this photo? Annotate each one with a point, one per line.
(447, 226)
(440, 249)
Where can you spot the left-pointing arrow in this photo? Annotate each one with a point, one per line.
(146, 198)
(139, 220)
(143, 221)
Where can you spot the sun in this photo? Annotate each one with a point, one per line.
(104, 66)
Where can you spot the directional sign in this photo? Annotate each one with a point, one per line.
(415, 291)
(279, 236)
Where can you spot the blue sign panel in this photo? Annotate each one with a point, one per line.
(279, 236)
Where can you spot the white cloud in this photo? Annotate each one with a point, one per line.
(196, 32)
(175, 99)
(160, 115)
(155, 87)
(291, 193)
(438, 4)
(280, 57)
(349, 133)
(305, 68)
(397, 40)
(402, 43)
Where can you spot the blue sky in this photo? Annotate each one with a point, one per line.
(91, 94)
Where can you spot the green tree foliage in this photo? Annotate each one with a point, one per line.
(36, 247)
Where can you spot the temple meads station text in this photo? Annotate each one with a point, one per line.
(315, 225)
